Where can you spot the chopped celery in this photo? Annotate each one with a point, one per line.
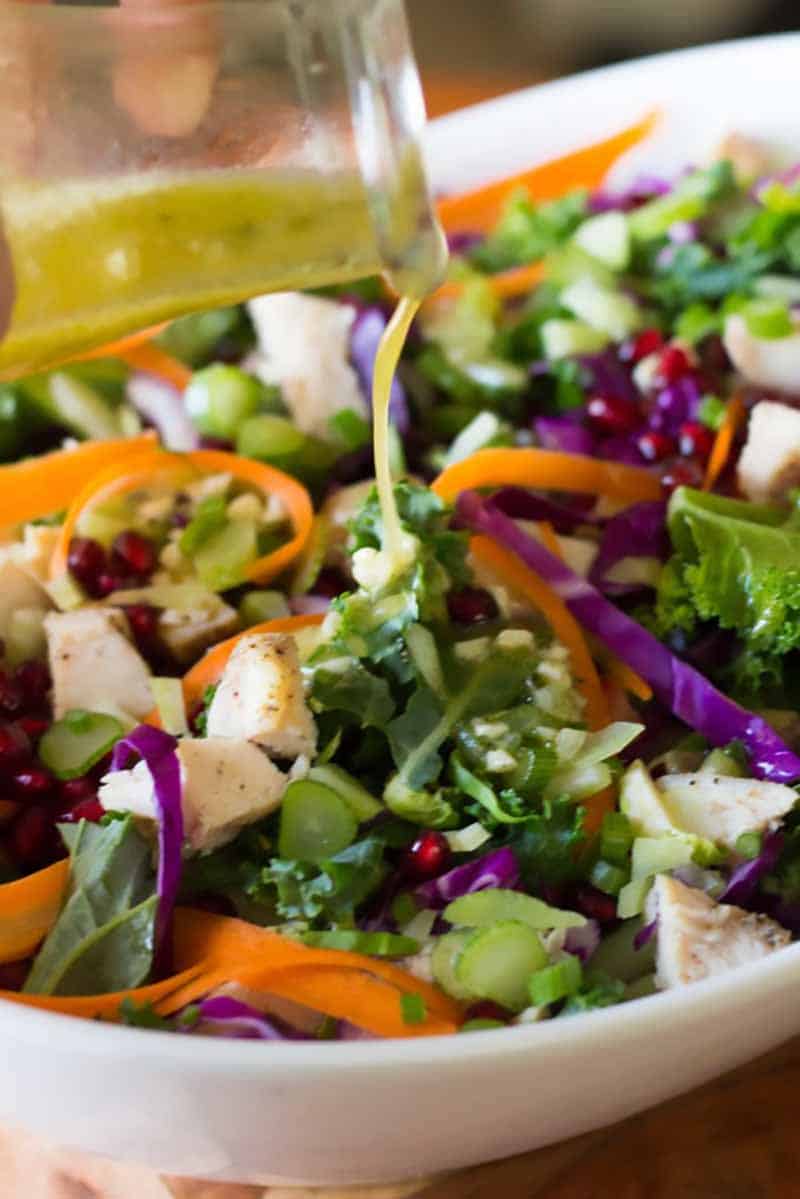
(497, 962)
(168, 696)
(315, 824)
(607, 238)
(269, 438)
(72, 745)
(617, 955)
(468, 839)
(564, 338)
(610, 312)
(483, 908)
(209, 517)
(616, 838)
(222, 560)
(749, 845)
(658, 855)
(559, 981)
(256, 607)
(360, 802)
(313, 558)
(220, 397)
(479, 433)
(444, 959)
(631, 899)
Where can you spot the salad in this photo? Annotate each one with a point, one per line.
(267, 776)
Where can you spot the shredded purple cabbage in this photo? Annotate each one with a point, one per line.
(745, 879)
(637, 532)
(496, 869)
(237, 1019)
(678, 686)
(643, 188)
(157, 749)
(365, 336)
(529, 505)
(462, 243)
(683, 232)
(162, 407)
(309, 605)
(583, 941)
(610, 377)
(620, 449)
(564, 433)
(645, 934)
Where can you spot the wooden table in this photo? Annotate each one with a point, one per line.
(736, 1138)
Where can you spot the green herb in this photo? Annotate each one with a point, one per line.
(556, 982)
(142, 1016)
(103, 939)
(329, 892)
(210, 517)
(712, 411)
(413, 1009)
(598, 991)
(527, 231)
(548, 845)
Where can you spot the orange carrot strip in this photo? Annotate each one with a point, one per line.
(477, 211)
(238, 946)
(107, 1006)
(37, 487)
(28, 909)
(628, 679)
(116, 349)
(510, 571)
(596, 807)
(144, 356)
(207, 671)
(723, 443)
(139, 470)
(506, 284)
(547, 469)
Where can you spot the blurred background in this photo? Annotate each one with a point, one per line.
(470, 49)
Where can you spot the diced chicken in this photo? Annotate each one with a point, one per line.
(186, 634)
(748, 157)
(34, 552)
(720, 809)
(94, 664)
(698, 938)
(260, 697)
(769, 464)
(772, 363)
(19, 590)
(304, 344)
(225, 785)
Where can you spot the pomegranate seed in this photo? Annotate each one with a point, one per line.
(106, 582)
(86, 561)
(143, 620)
(673, 364)
(74, 791)
(428, 856)
(32, 726)
(33, 679)
(471, 605)
(88, 809)
(11, 698)
(614, 414)
(133, 553)
(648, 342)
(33, 782)
(680, 474)
(654, 447)
(30, 834)
(695, 440)
(596, 905)
(14, 745)
(487, 1010)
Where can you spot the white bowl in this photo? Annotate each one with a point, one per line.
(375, 1112)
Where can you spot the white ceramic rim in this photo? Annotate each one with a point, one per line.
(583, 1031)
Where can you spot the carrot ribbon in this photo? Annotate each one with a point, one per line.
(732, 421)
(28, 909)
(477, 211)
(139, 469)
(547, 469)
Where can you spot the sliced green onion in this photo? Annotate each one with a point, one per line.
(384, 945)
(74, 744)
(209, 517)
(256, 607)
(749, 845)
(564, 338)
(413, 1009)
(606, 237)
(315, 823)
(697, 322)
(480, 1025)
(768, 320)
(608, 878)
(168, 696)
(269, 438)
(712, 411)
(497, 962)
(484, 908)
(616, 838)
(222, 560)
(555, 982)
(363, 805)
